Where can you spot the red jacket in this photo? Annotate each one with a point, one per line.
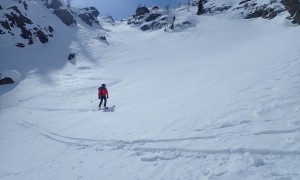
(102, 92)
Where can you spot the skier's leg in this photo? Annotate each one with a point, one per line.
(101, 100)
(105, 99)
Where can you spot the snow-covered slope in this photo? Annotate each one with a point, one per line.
(155, 18)
(219, 100)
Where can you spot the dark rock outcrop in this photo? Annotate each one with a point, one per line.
(65, 16)
(215, 9)
(248, 8)
(71, 56)
(95, 11)
(21, 45)
(5, 25)
(141, 11)
(293, 7)
(55, 4)
(1, 7)
(15, 19)
(152, 17)
(200, 8)
(50, 28)
(242, 2)
(155, 8)
(103, 38)
(86, 18)
(25, 5)
(6, 80)
(145, 27)
(42, 36)
(266, 13)
(89, 15)
(155, 19)
(18, 20)
(62, 12)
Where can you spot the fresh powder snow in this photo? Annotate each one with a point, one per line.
(219, 100)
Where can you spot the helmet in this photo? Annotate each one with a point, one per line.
(103, 85)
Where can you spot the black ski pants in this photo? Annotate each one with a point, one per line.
(101, 100)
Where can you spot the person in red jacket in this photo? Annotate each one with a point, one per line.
(102, 95)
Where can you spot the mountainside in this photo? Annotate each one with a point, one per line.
(25, 22)
(218, 99)
(165, 18)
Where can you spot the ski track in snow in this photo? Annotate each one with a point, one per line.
(138, 145)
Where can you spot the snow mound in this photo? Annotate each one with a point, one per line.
(13, 74)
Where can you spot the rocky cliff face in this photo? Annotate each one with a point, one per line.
(156, 18)
(293, 7)
(247, 9)
(29, 19)
(89, 15)
(17, 21)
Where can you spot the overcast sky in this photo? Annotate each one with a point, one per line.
(120, 9)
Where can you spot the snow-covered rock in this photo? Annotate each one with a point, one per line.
(89, 15)
(157, 18)
(246, 8)
(28, 22)
(24, 19)
(60, 9)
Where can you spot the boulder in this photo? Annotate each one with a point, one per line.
(10, 76)
(21, 45)
(65, 16)
(103, 38)
(6, 80)
(71, 56)
(50, 28)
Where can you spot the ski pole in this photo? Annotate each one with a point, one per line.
(94, 100)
